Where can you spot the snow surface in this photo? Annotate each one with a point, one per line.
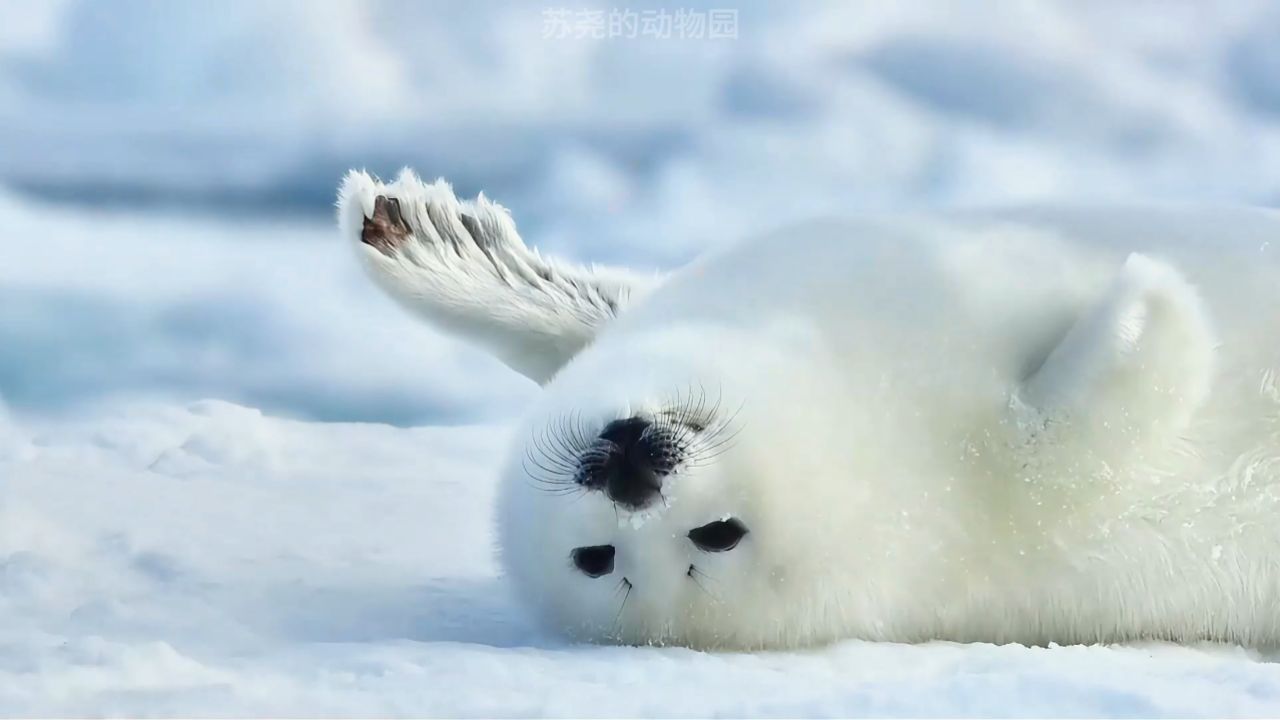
(164, 556)
(208, 560)
(316, 539)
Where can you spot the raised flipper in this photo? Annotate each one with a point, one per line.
(1133, 366)
(463, 267)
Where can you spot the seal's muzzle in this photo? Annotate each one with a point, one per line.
(636, 460)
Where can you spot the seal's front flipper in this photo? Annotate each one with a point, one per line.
(462, 265)
(1133, 366)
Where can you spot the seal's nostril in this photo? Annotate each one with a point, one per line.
(625, 432)
(631, 474)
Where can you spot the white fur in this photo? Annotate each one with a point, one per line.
(490, 289)
(1021, 427)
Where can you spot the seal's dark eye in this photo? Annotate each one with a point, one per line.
(718, 536)
(595, 560)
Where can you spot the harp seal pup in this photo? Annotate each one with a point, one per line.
(1026, 426)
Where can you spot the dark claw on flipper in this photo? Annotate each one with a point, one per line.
(387, 227)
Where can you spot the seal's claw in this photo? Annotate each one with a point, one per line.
(386, 228)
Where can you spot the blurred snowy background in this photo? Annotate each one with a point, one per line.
(167, 169)
(171, 286)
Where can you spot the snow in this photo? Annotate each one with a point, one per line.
(96, 304)
(236, 480)
(207, 560)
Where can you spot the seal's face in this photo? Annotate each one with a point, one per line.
(676, 487)
(632, 459)
(637, 526)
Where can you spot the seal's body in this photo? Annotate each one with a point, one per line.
(1017, 427)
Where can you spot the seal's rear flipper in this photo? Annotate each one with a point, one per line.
(1138, 362)
(463, 266)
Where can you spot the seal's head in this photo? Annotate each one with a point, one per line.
(644, 506)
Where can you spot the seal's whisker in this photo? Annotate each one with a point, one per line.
(718, 441)
(557, 491)
(728, 421)
(617, 619)
(578, 432)
(717, 437)
(537, 462)
(714, 450)
(549, 482)
(718, 448)
(554, 464)
(551, 478)
(617, 589)
(693, 574)
(555, 488)
(542, 445)
(699, 571)
(701, 410)
(559, 444)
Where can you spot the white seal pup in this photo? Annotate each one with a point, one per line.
(1023, 426)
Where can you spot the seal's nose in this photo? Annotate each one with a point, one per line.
(632, 474)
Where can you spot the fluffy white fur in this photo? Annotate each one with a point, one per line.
(1017, 427)
(476, 279)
